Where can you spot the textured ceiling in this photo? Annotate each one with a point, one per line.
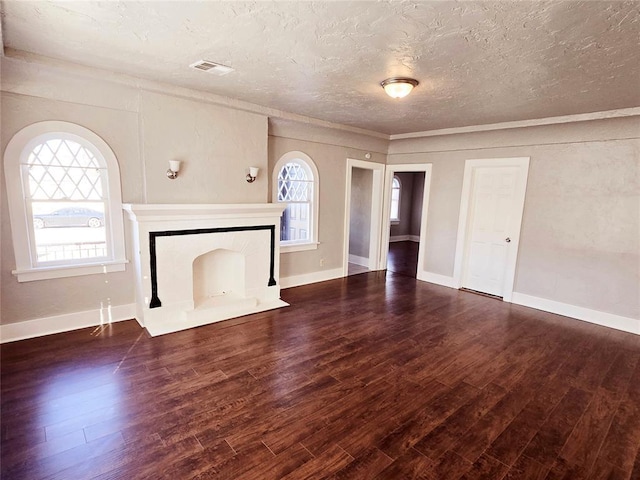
(478, 62)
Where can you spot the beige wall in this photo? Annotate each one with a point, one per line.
(417, 199)
(580, 240)
(329, 152)
(145, 130)
(216, 145)
(360, 212)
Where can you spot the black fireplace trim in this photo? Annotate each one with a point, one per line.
(155, 301)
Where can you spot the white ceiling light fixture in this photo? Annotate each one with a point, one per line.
(399, 87)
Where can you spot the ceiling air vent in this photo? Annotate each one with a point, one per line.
(211, 67)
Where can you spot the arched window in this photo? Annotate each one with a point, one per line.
(63, 185)
(395, 199)
(296, 184)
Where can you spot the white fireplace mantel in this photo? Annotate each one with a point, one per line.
(202, 263)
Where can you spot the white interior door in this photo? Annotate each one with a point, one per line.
(490, 219)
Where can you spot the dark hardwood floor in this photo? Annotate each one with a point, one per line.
(372, 376)
(403, 258)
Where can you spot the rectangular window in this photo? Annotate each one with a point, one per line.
(69, 231)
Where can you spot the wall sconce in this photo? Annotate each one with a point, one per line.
(253, 174)
(174, 168)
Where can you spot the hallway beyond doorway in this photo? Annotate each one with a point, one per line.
(403, 258)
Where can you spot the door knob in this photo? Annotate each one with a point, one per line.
(508, 240)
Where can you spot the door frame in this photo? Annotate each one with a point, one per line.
(376, 213)
(463, 220)
(391, 170)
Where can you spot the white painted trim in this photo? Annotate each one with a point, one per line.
(362, 261)
(10, 332)
(386, 229)
(459, 262)
(404, 238)
(376, 212)
(298, 247)
(46, 273)
(181, 320)
(581, 117)
(610, 320)
(313, 277)
(444, 280)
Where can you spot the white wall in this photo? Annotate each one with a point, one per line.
(580, 241)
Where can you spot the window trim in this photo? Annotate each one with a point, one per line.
(25, 264)
(306, 161)
(396, 221)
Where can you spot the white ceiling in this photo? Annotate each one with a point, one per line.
(477, 62)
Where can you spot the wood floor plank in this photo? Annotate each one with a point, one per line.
(527, 468)
(486, 468)
(553, 434)
(329, 462)
(368, 465)
(445, 435)
(423, 422)
(450, 466)
(279, 466)
(603, 470)
(411, 465)
(373, 376)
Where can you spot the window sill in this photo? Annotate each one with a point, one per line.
(46, 273)
(298, 247)
(395, 222)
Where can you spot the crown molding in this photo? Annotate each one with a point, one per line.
(580, 117)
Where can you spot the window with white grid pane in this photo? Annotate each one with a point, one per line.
(296, 185)
(64, 196)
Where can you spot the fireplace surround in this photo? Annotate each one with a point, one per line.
(202, 263)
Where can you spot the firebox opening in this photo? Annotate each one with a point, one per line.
(218, 277)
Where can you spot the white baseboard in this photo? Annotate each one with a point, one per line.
(610, 320)
(436, 278)
(38, 327)
(405, 238)
(313, 277)
(362, 261)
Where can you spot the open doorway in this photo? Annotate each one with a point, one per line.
(407, 189)
(363, 213)
(405, 219)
